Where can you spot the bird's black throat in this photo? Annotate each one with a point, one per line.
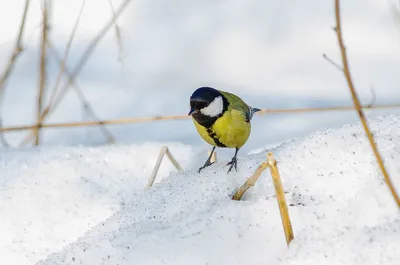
(204, 120)
(208, 122)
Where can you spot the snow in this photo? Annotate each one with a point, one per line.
(88, 206)
(50, 197)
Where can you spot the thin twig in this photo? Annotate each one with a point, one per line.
(213, 158)
(90, 111)
(42, 72)
(163, 151)
(86, 55)
(89, 108)
(108, 134)
(181, 117)
(11, 62)
(62, 62)
(357, 104)
(174, 161)
(17, 49)
(2, 138)
(117, 32)
(89, 50)
(280, 196)
(373, 99)
(332, 62)
(250, 181)
(153, 175)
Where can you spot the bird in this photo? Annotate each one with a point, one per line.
(222, 119)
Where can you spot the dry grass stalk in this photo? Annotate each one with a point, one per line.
(213, 157)
(173, 161)
(181, 117)
(62, 63)
(357, 104)
(42, 72)
(117, 32)
(17, 49)
(88, 107)
(92, 45)
(54, 101)
(280, 195)
(320, 109)
(164, 151)
(11, 61)
(250, 182)
(87, 53)
(2, 138)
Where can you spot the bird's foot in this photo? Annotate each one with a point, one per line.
(233, 163)
(208, 163)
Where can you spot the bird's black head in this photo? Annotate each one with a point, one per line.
(207, 105)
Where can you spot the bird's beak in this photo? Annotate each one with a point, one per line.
(192, 110)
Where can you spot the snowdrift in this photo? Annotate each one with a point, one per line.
(49, 197)
(341, 210)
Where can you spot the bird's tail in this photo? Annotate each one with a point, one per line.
(252, 111)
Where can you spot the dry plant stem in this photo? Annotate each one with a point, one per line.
(89, 50)
(53, 101)
(213, 157)
(42, 73)
(17, 49)
(164, 151)
(62, 62)
(87, 53)
(11, 61)
(107, 133)
(117, 32)
(332, 62)
(358, 105)
(249, 182)
(2, 138)
(280, 195)
(180, 117)
(156, 167)
(174, 161)
(110, 137)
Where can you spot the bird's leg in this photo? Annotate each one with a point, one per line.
(233, 162)
(208, 162)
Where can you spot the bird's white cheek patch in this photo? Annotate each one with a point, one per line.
(215, 108)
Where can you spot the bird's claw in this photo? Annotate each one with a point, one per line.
(208, 163)
(233, 163)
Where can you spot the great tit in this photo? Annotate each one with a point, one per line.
(222, 119)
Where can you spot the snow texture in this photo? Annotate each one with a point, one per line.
(341, 209)
(50, 197)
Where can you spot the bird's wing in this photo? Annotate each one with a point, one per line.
(238, 104)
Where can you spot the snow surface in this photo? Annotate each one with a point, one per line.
(341, 209)
(50, 197)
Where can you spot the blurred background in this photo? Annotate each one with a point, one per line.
(157, 53)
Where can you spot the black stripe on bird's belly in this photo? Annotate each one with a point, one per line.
(214, 136)
(207, 122)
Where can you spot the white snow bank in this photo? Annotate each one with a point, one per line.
(50, 197)
(342, 211)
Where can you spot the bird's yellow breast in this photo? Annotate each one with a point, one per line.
(231, 129)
